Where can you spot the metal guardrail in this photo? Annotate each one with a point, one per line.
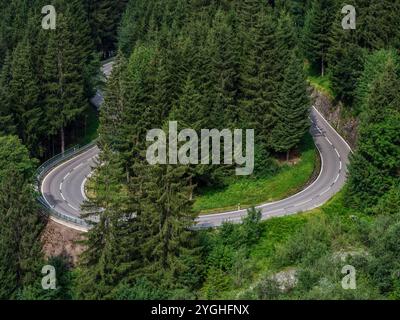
(49, 165)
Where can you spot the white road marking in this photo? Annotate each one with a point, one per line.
(83, 188)
(78, 166)
(329, 141)
(303, 203)
(348, 146)
(337, 178)
(326, 191)
(340, 166)
(50, 173)
(72, 207)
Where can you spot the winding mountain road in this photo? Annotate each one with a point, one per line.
(63, 187)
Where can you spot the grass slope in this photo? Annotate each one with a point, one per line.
(248, 191)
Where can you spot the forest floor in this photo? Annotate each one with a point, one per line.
(59, 240)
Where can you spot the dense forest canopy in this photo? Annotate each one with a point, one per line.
(206, 64)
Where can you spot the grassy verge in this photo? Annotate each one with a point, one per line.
(248, 191)
(322, 84)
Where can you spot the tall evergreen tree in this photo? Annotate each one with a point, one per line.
(259, 80)
(374, 167)
(293, 108)
(113, 246)
(24, 97)
(104, 17)
(344, 57)
(316, 32)
(6, 116)
(167, 212)
(64, 83)
(111, 111)
(20, 227)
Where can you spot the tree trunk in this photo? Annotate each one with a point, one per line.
(288, 156)
(191, 190)
(322, 67)
(62, 140)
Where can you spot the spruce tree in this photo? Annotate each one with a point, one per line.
(260, 79)
(20, 226)
(111, 111)
(6, 117)
(344, 58)
(374, 166)
(167, 212)
(112, 252)
(64, 82)
(24, 97)
(225, 72)
(316, 32)
(292, 110)
(104, 17)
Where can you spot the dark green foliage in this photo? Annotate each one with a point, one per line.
(14, 156)
(375, 64)
(104, 17)
(374, 167)
(111, 111)
(20, 226)
(41, 68)
(64, 283)
(292, 109)
(316, 31)
(64, 83)
(6, 117)
(344, 57)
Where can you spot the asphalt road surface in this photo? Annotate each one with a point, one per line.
(63, 187)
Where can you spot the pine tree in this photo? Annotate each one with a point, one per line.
(225, 72)
(20, 226)
(82, 41)
(104, 17)
(378, 23)
(344, 58)
(15, 156)
(111, 111)
(190, 111)
(316, 33)
(374, 167)
(6, 117)
(112, 252)
(286, 42)
(168, 215)
(260, 79)
(64, 84)
(24, 97)
(140, 113)
(292, 109)
(375, 65)
(169, 71)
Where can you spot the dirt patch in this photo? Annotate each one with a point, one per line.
(60, 240)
